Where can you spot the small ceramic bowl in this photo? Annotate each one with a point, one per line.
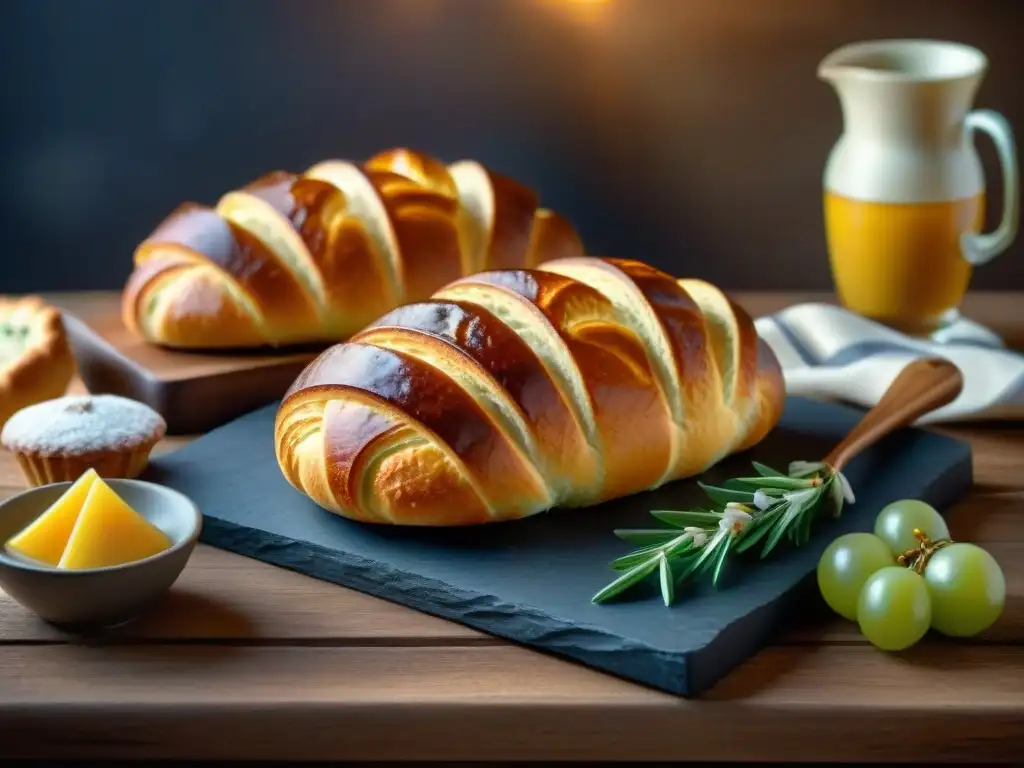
(93, 598)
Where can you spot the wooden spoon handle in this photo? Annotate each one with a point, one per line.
(923, 386)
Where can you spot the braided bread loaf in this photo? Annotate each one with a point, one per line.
(514, 391)
(314, 257)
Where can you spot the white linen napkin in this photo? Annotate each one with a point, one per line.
(830, 353)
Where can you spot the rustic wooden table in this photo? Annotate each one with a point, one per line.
(247, 661)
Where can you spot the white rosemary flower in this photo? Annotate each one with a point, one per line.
(698, 536)
(735, 518)
(847, 488)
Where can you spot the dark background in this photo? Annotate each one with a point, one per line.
(688, 133)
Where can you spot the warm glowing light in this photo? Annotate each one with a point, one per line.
(583, 10)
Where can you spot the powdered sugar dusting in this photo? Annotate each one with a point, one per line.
(79, 424)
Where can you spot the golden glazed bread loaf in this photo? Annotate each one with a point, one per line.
(510, 392)
(316, 256)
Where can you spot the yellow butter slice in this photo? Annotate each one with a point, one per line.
(47, 536)
(109, 532)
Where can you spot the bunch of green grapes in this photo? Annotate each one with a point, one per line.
(908, 576)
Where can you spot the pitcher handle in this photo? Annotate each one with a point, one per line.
(981, 248)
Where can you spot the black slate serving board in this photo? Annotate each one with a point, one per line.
(531, 580)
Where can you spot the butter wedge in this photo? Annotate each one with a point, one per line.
(45, 539)
(109, 532)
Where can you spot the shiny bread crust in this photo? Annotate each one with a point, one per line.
(313, 257)
(510, 392)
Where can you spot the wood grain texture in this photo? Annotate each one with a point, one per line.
(168, 365)
(223, 596)
(921, 387)
(351, 703)
(193, 391)
(243, 660)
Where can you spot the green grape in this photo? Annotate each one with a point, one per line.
(967, 588)
(846, 565)
(894, 610)
(896, 522)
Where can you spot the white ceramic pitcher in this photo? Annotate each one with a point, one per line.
(904, 187)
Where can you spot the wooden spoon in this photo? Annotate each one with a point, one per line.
(923, 386)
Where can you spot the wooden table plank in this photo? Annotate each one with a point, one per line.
(446, 703)
(221, 595)
(226, 597)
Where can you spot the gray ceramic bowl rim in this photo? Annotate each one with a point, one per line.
(188, 541)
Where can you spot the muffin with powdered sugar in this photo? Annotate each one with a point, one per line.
(57, 440)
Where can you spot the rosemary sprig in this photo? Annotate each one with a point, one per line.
(760, 510)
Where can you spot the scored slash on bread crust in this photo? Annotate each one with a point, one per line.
(314, 257)
(511, 392)
(42, 365)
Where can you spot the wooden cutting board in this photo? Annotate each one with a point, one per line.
(194, 392)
